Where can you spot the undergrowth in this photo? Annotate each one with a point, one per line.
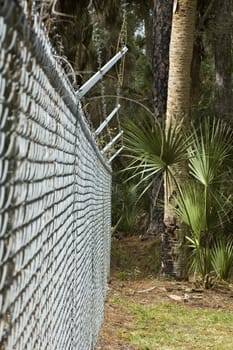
(132, 259)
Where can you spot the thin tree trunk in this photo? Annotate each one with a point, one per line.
(148, 22)
(203, 13)
(223, 59)
(162, 19)
(178, 110)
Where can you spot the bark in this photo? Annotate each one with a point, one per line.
(178, 108)
(156, 225)
(180, 57)
(223, 59)
(162, 19)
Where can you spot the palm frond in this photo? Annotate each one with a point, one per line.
(209, 150)
(191, 208)
(222, 258)
(152, 149)
(221, 206)
(200, 259)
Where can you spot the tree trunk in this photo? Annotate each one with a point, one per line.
(223, 59)
(162, 19)
(204, 9)
(178, 109)
(148, 23)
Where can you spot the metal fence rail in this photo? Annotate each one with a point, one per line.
(55, 190)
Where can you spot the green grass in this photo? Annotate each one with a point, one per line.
(168, 326)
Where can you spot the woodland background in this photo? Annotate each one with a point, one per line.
(178, 71)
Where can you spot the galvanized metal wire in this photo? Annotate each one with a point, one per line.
(55, 198)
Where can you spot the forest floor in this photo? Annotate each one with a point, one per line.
(143, 312)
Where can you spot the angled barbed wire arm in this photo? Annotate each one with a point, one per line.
(106, 121)
(115, 155)
(100, 74)
(111, 143)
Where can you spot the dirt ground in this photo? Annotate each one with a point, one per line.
(151, 292)
(144, 288)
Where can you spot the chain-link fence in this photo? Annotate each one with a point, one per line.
(55, 191)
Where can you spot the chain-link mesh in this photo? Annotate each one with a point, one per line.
(55, 193)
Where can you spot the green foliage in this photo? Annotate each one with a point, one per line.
(222, 258)
(191, 208)
(204, 203)
(200, 259)
(122, 276)
(153, 150)
(127, 208)
(209, 151)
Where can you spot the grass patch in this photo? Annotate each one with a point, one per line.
(169, 326)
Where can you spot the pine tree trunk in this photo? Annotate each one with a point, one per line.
(223, 59)
(178, 110)
(162, 19)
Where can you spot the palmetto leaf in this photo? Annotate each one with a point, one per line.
(221, 206)
(191, 208)
(222, 258)
(200, 259)
(200, 210)
(153, 150)
(209, 151)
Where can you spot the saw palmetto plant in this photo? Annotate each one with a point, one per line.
(204, 201)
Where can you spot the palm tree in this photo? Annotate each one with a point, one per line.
(178, 110)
